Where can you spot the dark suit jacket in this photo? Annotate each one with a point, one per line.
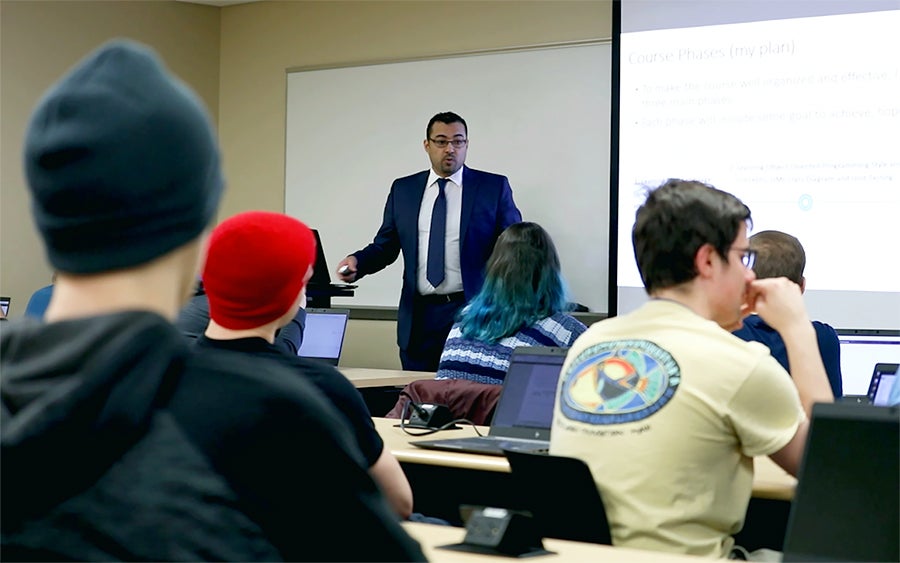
(487, 209)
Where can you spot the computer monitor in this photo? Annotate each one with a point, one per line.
(846, 505)
(860, 350)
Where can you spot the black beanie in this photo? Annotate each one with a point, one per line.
(122, 162)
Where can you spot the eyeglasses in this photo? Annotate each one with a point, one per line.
(748, 256)
(442, 143)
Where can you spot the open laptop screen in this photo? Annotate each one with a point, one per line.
(529, 389)
(860, 350)
(4, 304)
(883, 379)
(323, 336)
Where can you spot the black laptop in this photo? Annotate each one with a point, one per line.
(883, 377)
(321, 276)
(524, 410)
(846, 504)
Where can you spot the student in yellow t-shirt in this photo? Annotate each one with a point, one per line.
(666, 406)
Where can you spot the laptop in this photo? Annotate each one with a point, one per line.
(4, 305)
(860, 350)
(323, 335)
(524, 410)
(321, 276)
(846, 507)
(319, 289)
(883, 378)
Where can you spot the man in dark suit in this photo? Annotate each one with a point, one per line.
(445, 221)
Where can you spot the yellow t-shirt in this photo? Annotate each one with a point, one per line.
(668, 410)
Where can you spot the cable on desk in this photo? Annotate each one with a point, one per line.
(425, 415)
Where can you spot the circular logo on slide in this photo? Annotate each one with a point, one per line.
(619, 381)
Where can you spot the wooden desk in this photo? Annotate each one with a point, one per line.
(431, 536)
(371, 377)
(769, 481)
(442, 481)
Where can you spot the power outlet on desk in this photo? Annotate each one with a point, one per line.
(505, 531)
(428, 415)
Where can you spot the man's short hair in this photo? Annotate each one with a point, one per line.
(677, 219)
(778, 254)
(446, 117)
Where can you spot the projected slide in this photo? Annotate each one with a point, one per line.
(798, 117)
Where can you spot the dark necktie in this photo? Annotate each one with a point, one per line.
(437, 236)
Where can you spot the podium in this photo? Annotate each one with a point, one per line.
(318, 296)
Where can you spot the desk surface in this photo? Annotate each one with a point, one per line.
(431, 536)
(769, 480)
(372, 377)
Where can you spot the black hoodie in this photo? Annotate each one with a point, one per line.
(118, 442)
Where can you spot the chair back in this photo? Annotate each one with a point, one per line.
(561, 494)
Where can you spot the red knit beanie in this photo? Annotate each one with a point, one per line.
(255, 268)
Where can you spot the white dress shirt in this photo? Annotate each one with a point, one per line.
(452, 272)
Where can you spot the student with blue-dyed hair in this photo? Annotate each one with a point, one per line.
(523, 302)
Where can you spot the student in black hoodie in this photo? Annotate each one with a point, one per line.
(251, 298)
(194, 318)
(118, 441)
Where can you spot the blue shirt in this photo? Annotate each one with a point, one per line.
(38, 302)
(756, 330)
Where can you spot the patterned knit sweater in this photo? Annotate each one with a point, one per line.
(466, 358)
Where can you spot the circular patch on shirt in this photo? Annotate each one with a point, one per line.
(619, 381)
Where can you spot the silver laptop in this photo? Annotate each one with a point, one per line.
(883, 378)
(323, 335)
(860, 350)
(524, 410)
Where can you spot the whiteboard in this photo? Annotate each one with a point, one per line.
(540, 116)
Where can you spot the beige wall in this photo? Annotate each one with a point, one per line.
(242, 78)
(38, 42)
(260, 41)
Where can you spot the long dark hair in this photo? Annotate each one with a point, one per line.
(522, 285)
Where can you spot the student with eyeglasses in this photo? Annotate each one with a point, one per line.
(445, 222)
(665, 405)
